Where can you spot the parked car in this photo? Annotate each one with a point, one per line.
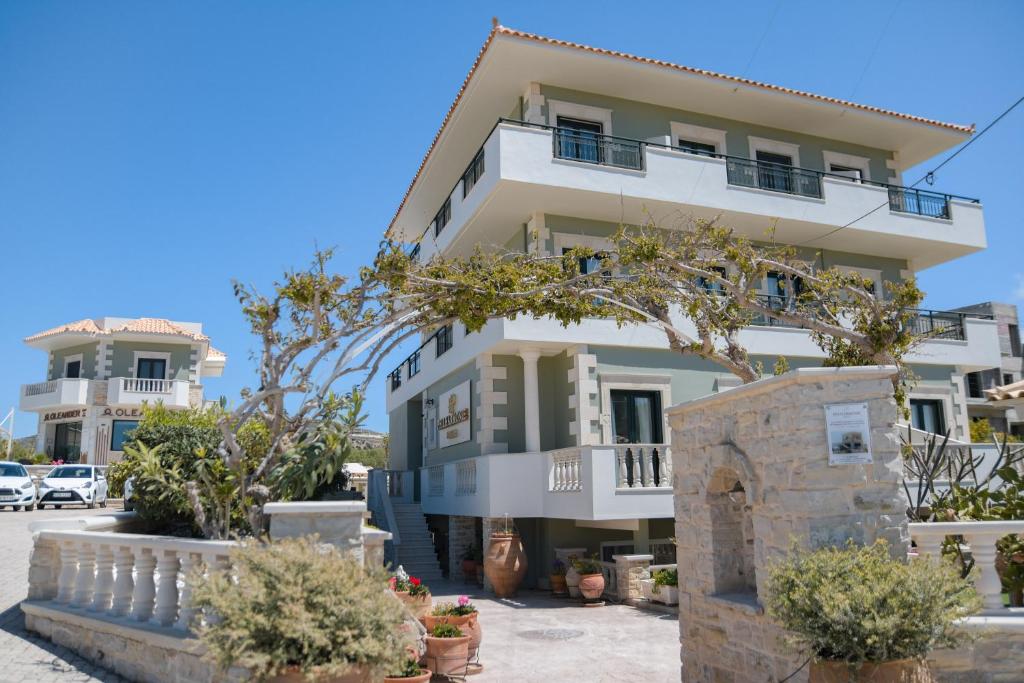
(16, 487)
(129, 494)
(73, 485)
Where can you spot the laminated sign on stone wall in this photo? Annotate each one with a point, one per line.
(453, 416)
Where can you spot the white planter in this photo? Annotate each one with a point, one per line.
(668, 595)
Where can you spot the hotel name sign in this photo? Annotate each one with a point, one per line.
(453, 416)
(82, 413)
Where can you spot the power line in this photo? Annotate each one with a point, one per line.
(764, 34)
(927, 176)
(878, 42)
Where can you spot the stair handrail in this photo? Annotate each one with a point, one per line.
(379, 501)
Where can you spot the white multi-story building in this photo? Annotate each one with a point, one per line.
(1003, 419)
(551, 144)
(100, 373)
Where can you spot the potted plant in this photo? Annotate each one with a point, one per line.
(861, 615)
(409, 672)
(591, 577)
(447, 650)
(462, 614)
(318, 637)
(469, 565)
(572, 578)
(505, 562)
(413, 593)
(665, 586)
(557, 578)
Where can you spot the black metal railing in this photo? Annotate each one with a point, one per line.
(592, 148)
(443, 337)
(921, 202)
(939, 324)
(776, 302)
(413, 363)
(773, 177)
(473, 173)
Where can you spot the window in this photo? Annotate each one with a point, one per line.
(773, 171)
(588, 264)
(974, 385)
(414, 364)
(1007, 378)
(705, 149)
(443, 216)
(578, 139)
(713, 285)
(73, 369)
(1014, 331)
(473, 173)
(845, 172)
(636, 416)
(151, 368)
(396, 378)
(609, 549)
(119, 433)
(443, 340)
(849, 167)
(927, 415)
(67, 442)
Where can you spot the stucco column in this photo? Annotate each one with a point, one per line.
(531, 398)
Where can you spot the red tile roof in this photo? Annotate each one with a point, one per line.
(499, 29)
(139, 325)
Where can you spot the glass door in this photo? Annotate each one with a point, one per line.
(67, 442)
(151, 368)
(774, 171)
(579, 140)
(636, 416)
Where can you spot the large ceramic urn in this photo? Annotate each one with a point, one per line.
(898, 671)
(505, 563)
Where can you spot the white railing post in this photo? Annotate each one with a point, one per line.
(104, 588)
(623, 478)
(68, 571)
(145, 588)
(124, 584)
(648, 459)
(86, 575)
(186, 612)
(166, 611)
(983, 550)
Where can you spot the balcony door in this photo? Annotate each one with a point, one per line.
(67, 441)
(579, 139)
(636, 416)
(73, 369)
(773, 171)
(928, 415)
(151, 368)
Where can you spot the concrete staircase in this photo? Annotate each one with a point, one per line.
(416, 550)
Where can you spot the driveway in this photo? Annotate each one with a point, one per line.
(24, 656)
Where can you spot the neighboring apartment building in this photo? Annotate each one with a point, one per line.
(550, 145)
(100, 373)
(1009, 370)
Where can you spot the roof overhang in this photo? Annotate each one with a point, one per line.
(511, 60)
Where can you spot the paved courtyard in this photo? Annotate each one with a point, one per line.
(530, 639)
(23, 656)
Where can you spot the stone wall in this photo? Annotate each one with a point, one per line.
(461, 537)
(751, 475)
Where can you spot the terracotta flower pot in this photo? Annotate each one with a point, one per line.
(468, 624)
(505, 563)
(419, 605)
(422, 678)
(294, 675)
(447, 656)
(572, 582)
(592, 586)
(558, 586)
(898, 671)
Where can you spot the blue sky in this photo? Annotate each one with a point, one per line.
(149, 153)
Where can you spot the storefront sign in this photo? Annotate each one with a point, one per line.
(76, 414)
(122, 412)
(453, 424)
(848, 430)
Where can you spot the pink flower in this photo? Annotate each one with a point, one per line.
(463, 600)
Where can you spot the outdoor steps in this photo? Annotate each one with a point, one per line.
(416, 551)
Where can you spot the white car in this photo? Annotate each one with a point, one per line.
(73, 485)
(16, 487)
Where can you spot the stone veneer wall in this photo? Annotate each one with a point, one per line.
(770, 437)
(461, 532)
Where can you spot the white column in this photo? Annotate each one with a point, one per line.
(186, 612)
(983, 549)
(166, 612)
(68, 571)
(104, 589)
(531, 399)
(145, 588)
(124, 584)
(86, 576)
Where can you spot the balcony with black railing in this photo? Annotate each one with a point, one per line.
(603, 150)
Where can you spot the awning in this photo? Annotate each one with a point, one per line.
(1007, 396)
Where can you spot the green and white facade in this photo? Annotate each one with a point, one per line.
(551, 145)
(99, 374)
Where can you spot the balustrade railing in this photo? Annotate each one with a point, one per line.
(465, 477)
(611, 579)
(643, 466)
(146, 386)
(41, 388)
(981, 538)
(142, 578)
(435, 480)
(566, 467)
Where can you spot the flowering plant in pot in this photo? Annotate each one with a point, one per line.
(413, 593)
(447, 650)
(279, 615)
(591, 577)
(409, 672)
(464, 615)
(861, 615)
(557, 578)
(665, 586)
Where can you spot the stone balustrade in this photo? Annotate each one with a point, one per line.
(139, 577)
(643, 466)
(981, 537)
(566, 469)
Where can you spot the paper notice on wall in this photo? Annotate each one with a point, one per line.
(849, 433)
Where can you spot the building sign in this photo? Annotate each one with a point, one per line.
(76, 414)
(122, 412)
(453, 423)
(848, 430)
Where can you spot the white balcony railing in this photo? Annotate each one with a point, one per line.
(133, 391)
(465, 477)
(566, 468)
(981, 538)
(643, 466)
(146, 386)
(435, 479)
(66, 392)
(39, 388)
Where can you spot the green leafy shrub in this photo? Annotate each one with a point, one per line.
(410, 669)
(666, 577)
(297, 603)
(859, 605)
(446, 630)
(587, 565)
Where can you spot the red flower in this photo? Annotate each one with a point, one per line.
(392, 581)
(414, 581)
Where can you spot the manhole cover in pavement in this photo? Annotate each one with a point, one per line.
(551, 634)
